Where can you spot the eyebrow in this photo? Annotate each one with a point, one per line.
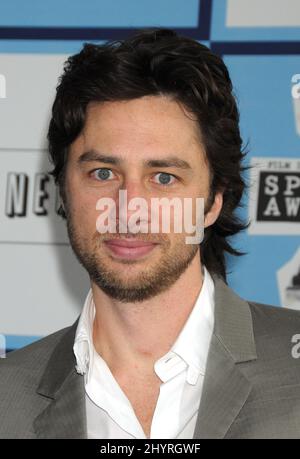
(170, 161)
(93, 155)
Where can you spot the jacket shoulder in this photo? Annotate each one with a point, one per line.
(20, 375)
(274, 320)
(276, 333)
(36, 355)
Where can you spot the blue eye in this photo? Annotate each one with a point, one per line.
(165, 178)
(102, 174)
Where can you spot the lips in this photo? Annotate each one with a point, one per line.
(129, 248)
(128, 243)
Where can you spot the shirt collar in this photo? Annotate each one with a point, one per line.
(83, 344)
(190, 350)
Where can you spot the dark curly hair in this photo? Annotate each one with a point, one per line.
(159, 62)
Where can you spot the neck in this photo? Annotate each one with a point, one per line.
(137, 334)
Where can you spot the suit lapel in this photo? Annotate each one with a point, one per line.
(65, 416)
(225, 391)
(225, 387)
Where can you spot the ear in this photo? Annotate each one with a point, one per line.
(214, 212)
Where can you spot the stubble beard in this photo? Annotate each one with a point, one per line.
(113, 276)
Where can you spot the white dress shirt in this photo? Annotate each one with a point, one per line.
(181, 370)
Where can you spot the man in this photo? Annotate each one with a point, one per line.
(163, 347)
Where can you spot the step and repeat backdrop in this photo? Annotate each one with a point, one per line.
(42, 285)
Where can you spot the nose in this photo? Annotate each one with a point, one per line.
(132, 207)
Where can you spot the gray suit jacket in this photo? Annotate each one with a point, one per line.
(251, 387)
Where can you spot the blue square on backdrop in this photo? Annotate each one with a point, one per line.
(263, 85)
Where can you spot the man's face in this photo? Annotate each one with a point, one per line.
(133, 134)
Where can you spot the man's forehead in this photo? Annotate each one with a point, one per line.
(148, 139)
(147, 111)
